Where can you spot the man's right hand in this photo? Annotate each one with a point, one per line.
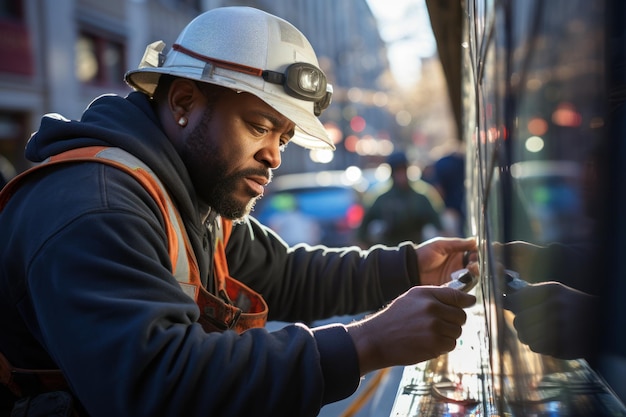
(420, 324)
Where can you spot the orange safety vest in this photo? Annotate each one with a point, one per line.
(234, 306)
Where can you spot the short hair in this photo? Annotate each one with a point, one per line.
(163, 87)
(397, 159)
(211, 91)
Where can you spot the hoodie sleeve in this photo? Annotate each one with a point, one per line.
(307, 283)
(99, 297)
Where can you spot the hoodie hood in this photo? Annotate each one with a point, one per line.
(128, 123)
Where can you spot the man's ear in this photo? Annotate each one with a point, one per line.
(182, 99)
(179, 107)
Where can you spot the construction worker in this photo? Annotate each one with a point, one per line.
(133, 281)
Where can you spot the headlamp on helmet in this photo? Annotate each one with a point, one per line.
(305, 82)
(300, 80)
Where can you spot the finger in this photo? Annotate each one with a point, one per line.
(515, 302)
(450, 245)
(446, 342)
(533, 320)
(470, 257)
(535, 336)
(473, 267)
(533, 295)
(454, 297)
(465, 244)
(538, 328)
(451, 325)
(443, 304)
(448, 314)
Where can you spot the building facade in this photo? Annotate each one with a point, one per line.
(58, 55)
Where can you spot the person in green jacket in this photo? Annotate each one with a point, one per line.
(400, 213)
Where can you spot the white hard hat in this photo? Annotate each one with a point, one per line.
(249, 50)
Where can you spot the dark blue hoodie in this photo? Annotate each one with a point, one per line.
(85, 286)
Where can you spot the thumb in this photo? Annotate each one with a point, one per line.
(454, 297)
(461, 244)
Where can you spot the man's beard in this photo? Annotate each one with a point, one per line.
(221, 200)
(208, 171)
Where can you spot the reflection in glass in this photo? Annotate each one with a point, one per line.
(534, 97)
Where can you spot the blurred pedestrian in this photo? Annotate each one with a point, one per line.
(401, 213)
(448, 177)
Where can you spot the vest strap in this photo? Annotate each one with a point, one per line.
(248, 308)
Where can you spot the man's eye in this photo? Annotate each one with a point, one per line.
(283, 144)
(262, 130)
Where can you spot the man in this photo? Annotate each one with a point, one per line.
(400, 213)
(449, 177)
(90, 284)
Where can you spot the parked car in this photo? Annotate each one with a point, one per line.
(316, 208)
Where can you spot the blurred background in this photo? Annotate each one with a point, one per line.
(389, 88)
(526, 95)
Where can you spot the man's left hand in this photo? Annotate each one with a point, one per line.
(439, 257)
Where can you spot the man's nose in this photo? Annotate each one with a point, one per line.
(270, 154)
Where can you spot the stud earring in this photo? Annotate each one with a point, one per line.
(182, 121)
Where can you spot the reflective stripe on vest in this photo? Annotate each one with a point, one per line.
(235, 306)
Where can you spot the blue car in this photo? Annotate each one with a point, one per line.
(315, 208)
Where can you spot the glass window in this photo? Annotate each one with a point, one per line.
(99, 60)
(15, 43)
